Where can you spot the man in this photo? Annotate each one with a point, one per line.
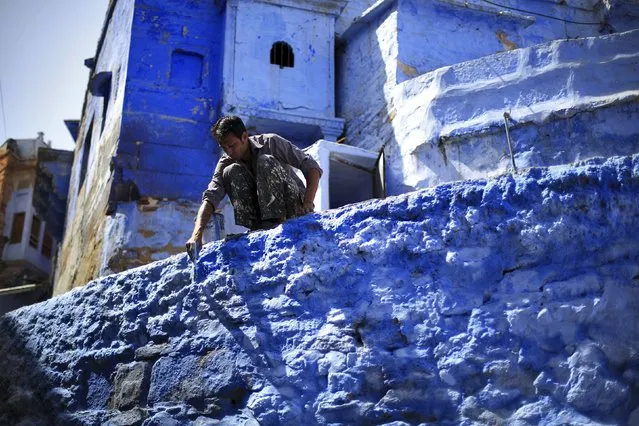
(256, 173)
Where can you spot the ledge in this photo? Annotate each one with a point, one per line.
(328, 7)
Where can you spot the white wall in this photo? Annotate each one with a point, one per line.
(21, 202)
(445, 118)
(251, 80)
(327, 154)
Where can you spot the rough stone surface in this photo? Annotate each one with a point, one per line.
(131, 384)
(510, 300)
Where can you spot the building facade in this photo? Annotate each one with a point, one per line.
(33, 192)
(159, 79)
(416, 91)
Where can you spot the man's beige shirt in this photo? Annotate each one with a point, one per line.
(283, 150)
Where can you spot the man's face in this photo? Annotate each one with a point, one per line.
(235, 147)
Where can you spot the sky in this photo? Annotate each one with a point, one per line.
(43, 45)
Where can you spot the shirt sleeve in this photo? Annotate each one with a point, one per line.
(215, 191)
(288, 153)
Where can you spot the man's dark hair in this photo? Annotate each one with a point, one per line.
(228, 124)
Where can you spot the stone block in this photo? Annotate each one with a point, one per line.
(130, 385)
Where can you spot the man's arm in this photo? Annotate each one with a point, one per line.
(211, 198)
(288, 153)
(203, 216)
(312, 181)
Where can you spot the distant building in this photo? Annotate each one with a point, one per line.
(416, 91)
(34, 182)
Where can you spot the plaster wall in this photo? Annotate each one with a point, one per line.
(448, 124)
(535, 21)
(352, 11)
(52, 188)
(393, 41)
(34, 181)
(15, 191)
(166, 59)
(21, 252)
(142, 232)
(34, 255)
(20, 185)
(99, 134)
(367, 66)
(621, 15)
(6, 190)
(567, 100)
(166, 155)
(173, 94)
(20, 202)
(435, 34)
(511, 300)
(308, 87)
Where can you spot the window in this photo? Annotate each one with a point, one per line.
(16, 228)
(86, 151)
(186, 69)
(47, 245)
(34, 237)
(106, 96)
(282, 55)
(100, 86)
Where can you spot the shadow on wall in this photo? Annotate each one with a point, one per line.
(28, 395)
(10, 302)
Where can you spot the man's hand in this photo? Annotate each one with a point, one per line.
(195, 242)
(308, 207)
(203, 216)
(312, 177)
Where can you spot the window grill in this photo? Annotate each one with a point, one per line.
(34, 237)
(47, 245)
(282, 55)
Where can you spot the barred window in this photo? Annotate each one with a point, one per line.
(282, 55)
(47, 245)
(34, 237)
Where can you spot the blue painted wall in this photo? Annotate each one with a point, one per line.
(167, 64)
(173, 95)
(366, 67)
(435, 34)
(623, 15)
(511, 300)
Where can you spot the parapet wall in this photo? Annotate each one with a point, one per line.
(568, 100)
(514, 298)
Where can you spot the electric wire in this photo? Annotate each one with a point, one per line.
(568, 21)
